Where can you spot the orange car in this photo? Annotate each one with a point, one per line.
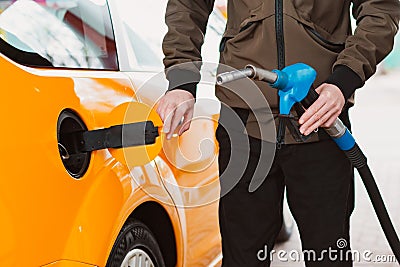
(74, 196)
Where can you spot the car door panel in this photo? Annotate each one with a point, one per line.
(71, 218)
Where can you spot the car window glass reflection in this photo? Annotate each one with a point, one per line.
(68, 33)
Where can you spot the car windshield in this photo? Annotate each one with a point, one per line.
(67, 33)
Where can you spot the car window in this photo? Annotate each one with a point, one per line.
(148, 55)
(145, 28)
(144, 22)
(58, 33)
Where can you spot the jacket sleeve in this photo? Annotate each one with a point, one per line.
(377, 24)
(187, 22)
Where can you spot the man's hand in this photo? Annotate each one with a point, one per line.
(174, 106)
(324, 111)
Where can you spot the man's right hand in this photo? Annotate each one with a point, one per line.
(174, 106)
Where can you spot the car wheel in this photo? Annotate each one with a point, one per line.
(135, 246)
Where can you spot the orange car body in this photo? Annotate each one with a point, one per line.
(50, 217)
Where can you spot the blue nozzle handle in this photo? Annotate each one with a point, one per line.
(293, 83)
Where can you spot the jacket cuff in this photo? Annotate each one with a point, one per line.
(346, 79)
(183, 79)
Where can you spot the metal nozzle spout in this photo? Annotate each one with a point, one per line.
(263, 75)
(234, 75)
(251, 72)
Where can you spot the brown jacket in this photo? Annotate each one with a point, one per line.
(274, 33)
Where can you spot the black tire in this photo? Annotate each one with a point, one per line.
(135, 235)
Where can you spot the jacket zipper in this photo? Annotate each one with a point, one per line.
(279, 33)
(280, 43)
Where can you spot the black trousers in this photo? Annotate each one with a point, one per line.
(320, 192)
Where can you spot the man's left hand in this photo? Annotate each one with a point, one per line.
(324, 111)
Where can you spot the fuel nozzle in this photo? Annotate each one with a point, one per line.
(293, 82)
